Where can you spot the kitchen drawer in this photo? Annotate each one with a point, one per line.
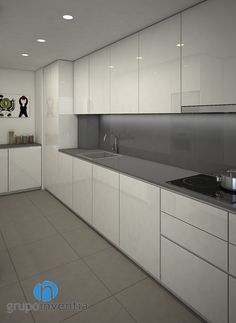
(232, 228)
(232, 300)
(201, 215)
(199, 242)
(232, 259)
(196, 282)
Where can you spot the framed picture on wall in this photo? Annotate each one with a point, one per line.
(14, 106)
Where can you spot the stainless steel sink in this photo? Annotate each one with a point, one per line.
(98, 154)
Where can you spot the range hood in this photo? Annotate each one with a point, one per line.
(213, 108)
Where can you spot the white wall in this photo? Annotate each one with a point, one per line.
(17, 82)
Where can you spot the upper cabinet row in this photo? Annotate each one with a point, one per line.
(188, 59)
(140, 73)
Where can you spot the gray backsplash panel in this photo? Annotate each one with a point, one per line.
(200, 142)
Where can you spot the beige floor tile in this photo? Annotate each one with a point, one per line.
(148, 302)
(34, 258)
(7, 272)
(115, 270)
(76, 284)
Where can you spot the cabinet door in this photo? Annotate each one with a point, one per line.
(209, 53)
(159, 67)
(65, 87)
(140, 223)
(99, 81)
(64, 190)
(3, 170)
(124, 76)
(24, 168)
(232, 228)
(199, 284)
(81, 86)
(232, 300)
(82, 189)
(106, 203)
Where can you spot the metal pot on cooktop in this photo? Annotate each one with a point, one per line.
(227, 180)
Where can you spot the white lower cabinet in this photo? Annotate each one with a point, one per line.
(3, 170)
(196, 282)
(64, 184)
(24, 168)
(106, 202)
(232, 300)
(82, 189)
(140, 223)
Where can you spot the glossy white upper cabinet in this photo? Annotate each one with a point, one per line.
(140, 223)
(3, 170)
(24, 168)
(209, 53)
(83, 189)
(65, 87)
(99, 81)
(159, 67)
(106, 203)
(81, 86)
(124, 75)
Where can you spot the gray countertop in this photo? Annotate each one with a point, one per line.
(8, 146)
(151, 172)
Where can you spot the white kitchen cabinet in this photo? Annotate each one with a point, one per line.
(81, 86)
(209, 53)
(106, 202)
(124, 75)
(203, 244)
(83, 189)
(201, 215)
(24, 168)
(199, 284)
(232, 259)
(232, 228)
(99, 81)
(140, 223)
(65, 87)
(64, 183)
(159, 67)
(232, 300)
(3, 170)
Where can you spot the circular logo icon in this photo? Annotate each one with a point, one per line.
(45, 291)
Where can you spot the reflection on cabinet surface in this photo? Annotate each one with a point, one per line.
(140, 222)
(209, 53)
(159, 67)
(82, 189)
(124, 75)
(106, 202)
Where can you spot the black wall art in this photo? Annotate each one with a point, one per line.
(14, 106)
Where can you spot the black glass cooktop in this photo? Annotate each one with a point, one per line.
(207, 185)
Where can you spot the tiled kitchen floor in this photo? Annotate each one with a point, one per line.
(42, 240)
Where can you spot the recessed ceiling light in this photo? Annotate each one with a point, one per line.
(139, 57)
(41, 40)
(111, 66)
(67, 17)
(25, 54)
(180, 45)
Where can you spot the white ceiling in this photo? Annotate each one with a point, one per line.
(96, 24)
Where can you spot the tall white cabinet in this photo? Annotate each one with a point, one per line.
(3, 170)
(99, 81)
(81, 86)
(140, 223)
(124, 75)
(209, 53)
(159, 67)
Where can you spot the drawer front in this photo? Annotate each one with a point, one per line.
(196, 282)
(232, 228)
(201, 243)
(232, 259)
(201, 215)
